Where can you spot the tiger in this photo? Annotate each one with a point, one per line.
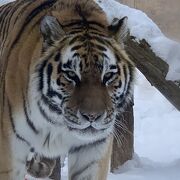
(64, 78)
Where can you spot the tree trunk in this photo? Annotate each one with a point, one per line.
(123, 150)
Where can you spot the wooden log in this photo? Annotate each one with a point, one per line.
(123, 150)
(56, 175)
(154, 69)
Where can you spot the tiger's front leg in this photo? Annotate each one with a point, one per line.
(84, 161)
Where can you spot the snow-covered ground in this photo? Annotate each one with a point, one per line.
(157, 122)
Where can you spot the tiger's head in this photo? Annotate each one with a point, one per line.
(84, 76)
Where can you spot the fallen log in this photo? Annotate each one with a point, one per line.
(153, 68)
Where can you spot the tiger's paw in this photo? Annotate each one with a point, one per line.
(39, 167)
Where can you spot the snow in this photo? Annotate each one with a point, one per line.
(144, 169)
(2, 2)
(142, 27)
(157, 122)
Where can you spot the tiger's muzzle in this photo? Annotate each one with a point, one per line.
(90, 106)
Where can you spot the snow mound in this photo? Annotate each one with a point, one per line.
(145, 169)
(2, 2)
(142, 27)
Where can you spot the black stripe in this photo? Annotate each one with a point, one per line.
(44, 114)
(52, 93)
(52, 107)
(113, 67)
(122, 103)
(75, 32)
(100, 40)
(101, 48)
(77, 47)
(59, 68)
(76, 22)
(24, 6)
(96, 23)
(29, 122)
(49, 73)
(47, 140)
(104, 55)
(37, 10)
(98, 33)
(81, 23)
(21, 6)
(74, 39)
(57, 57)
(123, 97)
(4, 22)
(13, 125)
(131, 76)
(79, 172)
(93, 28)
(119, 84)
(40, 74)
(125, 75)
(86, 146)
(68, 65)
(4, 10)
(118, 58)
(4, 7)
(82, 27)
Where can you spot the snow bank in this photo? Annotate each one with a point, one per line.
(145, 169)
(5, 1)
(157, 124)
(143, 27)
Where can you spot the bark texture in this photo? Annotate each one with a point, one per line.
(154, 69)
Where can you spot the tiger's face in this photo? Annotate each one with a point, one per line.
(84, 80)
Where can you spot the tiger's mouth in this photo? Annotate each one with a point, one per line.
(87, 127)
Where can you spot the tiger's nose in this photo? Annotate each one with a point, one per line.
(91, 117)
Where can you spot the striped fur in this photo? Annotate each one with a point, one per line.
(64, 77)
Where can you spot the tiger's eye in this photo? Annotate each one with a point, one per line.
(108, 75)
(71, 74)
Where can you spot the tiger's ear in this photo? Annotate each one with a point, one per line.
(118, 29)
(51, 30)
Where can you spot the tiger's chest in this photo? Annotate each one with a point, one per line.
(53, 142)
(49, 140)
